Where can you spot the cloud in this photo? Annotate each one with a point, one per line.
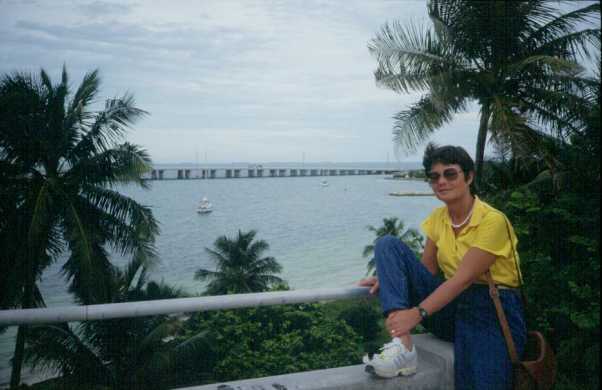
(254, 74)
(99, 9)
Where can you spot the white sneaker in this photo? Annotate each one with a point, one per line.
(393, 360)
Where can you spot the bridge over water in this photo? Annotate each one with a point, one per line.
(235, 173)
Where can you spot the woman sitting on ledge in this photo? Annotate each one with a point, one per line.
(465, 238)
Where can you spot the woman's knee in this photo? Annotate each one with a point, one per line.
(390, 248)
(388, 243)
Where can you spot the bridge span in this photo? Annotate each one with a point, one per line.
(236, 173)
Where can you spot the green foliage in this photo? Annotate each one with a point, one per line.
(240, 266)
(394, 227)
(364, 317)
(556, 214)
(132, 353)
(558, 225)
(270, 341)
(559, 246)
(517, 60)
(59, 164)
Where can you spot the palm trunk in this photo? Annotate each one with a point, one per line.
(15, 376)
(19, 354)
(481, 141)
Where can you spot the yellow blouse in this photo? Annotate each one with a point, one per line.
(487, 230)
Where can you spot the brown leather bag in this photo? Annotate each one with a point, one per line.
(537, 369)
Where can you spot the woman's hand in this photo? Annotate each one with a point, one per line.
(401, 322)
(371, 282)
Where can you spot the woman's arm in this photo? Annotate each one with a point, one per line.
(475, 263)
(429, 257)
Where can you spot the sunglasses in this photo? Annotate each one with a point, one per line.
(449, 174)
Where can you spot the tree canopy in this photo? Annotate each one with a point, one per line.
(60, 162)
(518, 60)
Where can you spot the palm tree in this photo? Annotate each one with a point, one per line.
(508, 171)
(516, 59)
(133, 353)
(240, 266)
(61, 162)
(394, 227)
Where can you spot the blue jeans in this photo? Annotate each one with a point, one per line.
(470, 321)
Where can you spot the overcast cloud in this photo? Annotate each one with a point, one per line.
(233, 80)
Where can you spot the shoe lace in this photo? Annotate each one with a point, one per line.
(387, 347)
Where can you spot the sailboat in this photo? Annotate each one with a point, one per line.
(204, 206)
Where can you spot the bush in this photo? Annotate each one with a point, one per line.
(259, 342)
(364, 317)
(559, 248)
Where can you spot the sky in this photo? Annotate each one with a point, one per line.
(231, 80)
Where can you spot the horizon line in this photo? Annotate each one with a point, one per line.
(287, 162)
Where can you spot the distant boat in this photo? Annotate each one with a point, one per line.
(412, 194)
(204, 206)
(398, 175)
(324, 183)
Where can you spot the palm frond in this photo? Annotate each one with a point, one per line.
(204, 274)
(161, 290)
(88, 267)
(258, 247)
(409, 49)
(38, 220)
(194, 346)
(556, 65)
(90, 274)
(153, 340)
(78, 114)
(564, 24)
(239, 266)
(85, 94)
(264, 266)
(266, 281)
(513, 129)
(138, 266)
(118, 207)
(57, 348)
(221, 258)
(572, 46)
(124, 163)
(553, 111)
(46, 83)
(368, 250)
(415, 125)
(107, 128)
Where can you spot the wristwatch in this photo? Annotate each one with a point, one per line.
(423, 313)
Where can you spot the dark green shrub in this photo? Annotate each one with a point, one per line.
(258, 342)
(364, 317)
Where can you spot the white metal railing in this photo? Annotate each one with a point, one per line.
(175, 306)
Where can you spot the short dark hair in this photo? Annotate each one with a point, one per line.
(447, 155)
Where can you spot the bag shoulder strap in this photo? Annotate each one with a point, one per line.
(514, 255)
(495, 296)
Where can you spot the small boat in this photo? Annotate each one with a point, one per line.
(204, 206)
(411, 194)
(324, 183)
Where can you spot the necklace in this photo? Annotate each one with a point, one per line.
(463, 222)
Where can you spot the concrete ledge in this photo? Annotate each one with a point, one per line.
(435, 372)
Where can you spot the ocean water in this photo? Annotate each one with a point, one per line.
(316, 233)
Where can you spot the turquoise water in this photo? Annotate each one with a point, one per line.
(316, 233)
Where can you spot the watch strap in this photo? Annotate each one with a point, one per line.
(423, 313)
